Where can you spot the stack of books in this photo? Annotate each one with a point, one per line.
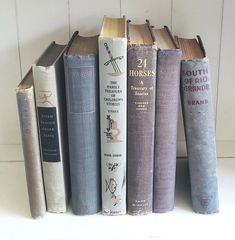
(99, 119)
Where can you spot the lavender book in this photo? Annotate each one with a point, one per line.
(166, 118)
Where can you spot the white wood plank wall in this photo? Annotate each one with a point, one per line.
(28, 26)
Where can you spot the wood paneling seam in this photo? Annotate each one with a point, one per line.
(219, 62)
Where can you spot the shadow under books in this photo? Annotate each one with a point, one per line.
(182, 188)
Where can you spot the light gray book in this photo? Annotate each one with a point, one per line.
(113, 107)
(48, 74)
(30, 143)
(198, 118)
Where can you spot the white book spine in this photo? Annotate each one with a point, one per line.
(113, 110)
(50, 137)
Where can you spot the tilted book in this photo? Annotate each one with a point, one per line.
(48, 74)
(166, 118)
(113, 93)
(30, 143)
(81, 75)
(141, 82)
(198, 118)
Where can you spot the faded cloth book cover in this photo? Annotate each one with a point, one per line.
(30, 143)
(199, 126)
(113, 94)
(141, 83)
(82, 80)
(48, 74)
(166, 118)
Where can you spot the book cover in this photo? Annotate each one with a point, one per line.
(141, 84)
(198, 118)
(48, 75)
(166, 118)
(82, 92)
(30, 143)
(113, 94)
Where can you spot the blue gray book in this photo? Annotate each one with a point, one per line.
(81, 74)
(199, 125)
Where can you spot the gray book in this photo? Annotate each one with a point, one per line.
(48, 74)
(30, 143)
(81, 74)
(199, 125)
(166, 118)
(113, 94)
(141, 84)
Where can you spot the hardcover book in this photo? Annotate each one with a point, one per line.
(30, 143)
(166, 118)
(142, 60)
(81, 75)
(198, 118)
(48, 74)
(113, 94)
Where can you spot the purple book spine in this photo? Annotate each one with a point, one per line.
(140, 117)
(167, 95)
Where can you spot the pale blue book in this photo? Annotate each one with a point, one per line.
(198, 116)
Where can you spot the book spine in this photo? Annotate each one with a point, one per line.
(81, 74)
(50, 129)
(166, 118)
(200, 134)
(141, 117)
(31, 150)
(112, 63)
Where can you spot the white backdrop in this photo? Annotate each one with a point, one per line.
(28, 26)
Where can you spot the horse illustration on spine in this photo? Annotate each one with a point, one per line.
(111, 186)
(113, 131)
(113, 62)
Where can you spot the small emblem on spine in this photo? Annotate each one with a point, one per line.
(112, 167)
(45, 97)
(204, 201)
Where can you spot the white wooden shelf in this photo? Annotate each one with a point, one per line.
(182, 223)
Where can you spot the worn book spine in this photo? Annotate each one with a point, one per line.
(31, 151)
(166, 118)
(113, 93)
(81, 74)
(50, 96)
(200, 134)
(141, 118)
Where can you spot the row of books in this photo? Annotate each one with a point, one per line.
(99, 122)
